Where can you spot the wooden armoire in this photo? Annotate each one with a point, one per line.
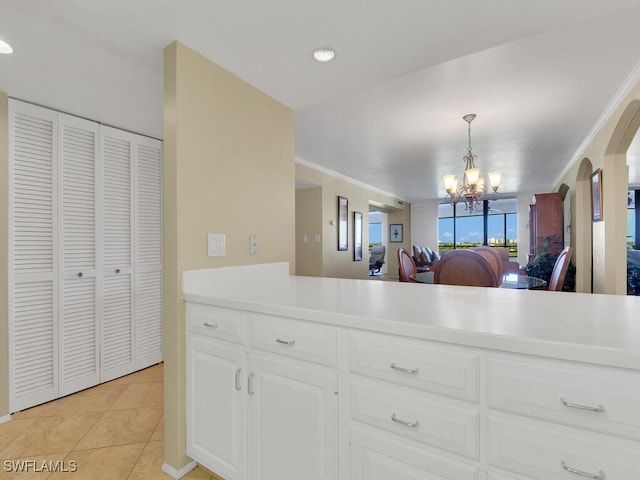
(546, 218)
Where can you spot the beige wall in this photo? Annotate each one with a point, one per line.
(228, 168)
(340, 264)
(309, 231)
(4, 255)
(605, 150)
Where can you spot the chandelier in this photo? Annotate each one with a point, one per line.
(473, 187)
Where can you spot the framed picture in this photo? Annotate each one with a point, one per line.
(395, 232)
(596, 195)
(343, 223)
(357, 236)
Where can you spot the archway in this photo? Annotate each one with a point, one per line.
(610, 237)
(581, 231)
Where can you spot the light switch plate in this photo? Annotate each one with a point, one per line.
(215, 244)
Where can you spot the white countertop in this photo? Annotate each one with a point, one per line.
(601, 329)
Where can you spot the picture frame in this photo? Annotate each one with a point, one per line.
(357, 236)
(596, 195)
(395, 233)
(343, 224)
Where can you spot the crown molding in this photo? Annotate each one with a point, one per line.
(348, 179)
(632, 79)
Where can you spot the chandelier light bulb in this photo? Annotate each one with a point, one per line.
(324, 55)
(5, 48)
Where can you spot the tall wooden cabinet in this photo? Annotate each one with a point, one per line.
(546, 217)
(85, 277)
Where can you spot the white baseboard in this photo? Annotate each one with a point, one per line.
(4, 419)
(177, 474)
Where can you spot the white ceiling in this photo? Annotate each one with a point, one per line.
(388, 110)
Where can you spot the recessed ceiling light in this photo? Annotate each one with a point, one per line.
(5, 47)
(324, 55)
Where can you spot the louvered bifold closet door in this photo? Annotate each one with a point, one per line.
(117, 331)
(33, 350)
(78, 314)
(148, 252)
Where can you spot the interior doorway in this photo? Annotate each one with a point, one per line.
(378, 227)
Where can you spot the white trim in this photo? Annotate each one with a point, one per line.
(173, 473)
(5, 419)
(615, 102)
(341, 176)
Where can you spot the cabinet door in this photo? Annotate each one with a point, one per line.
(78, 325)
(293, 420)
(117, 332)
(33, 247)
(216, 404)
(148, 252)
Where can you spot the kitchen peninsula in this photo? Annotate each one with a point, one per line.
(317, 378)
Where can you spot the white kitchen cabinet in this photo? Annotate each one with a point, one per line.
(85, 280)
(416, 400)
(216, 405)
(276, 419)
(293, 420)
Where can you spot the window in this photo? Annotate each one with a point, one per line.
(494, 223)
(632, 220)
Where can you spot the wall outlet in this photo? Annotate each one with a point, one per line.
(215, 244)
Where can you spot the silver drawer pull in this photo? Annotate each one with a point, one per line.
(416, 424)
(250, 389)
(291, 343)
(210, 325)
(599, 476)
(238, 386)
(599, 408)
(411, 371)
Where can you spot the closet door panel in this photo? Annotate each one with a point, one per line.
(148, 252)
(33, 341)
(79, 347)
(117, 332)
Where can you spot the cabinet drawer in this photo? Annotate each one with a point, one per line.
(597, 398)
(418, 364)
(414, 414)
(223, 323)
(294, 338)
(376, 455)
(552, 452)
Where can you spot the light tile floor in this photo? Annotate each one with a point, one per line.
(113, 431)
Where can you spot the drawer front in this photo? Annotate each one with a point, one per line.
(422, 417)
(418, 364)
(376, 455)
(550, 452)
(597, 398)
(294, 338)
(223, 323)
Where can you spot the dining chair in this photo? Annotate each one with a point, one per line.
(559, 273)
(406, 265)
(494, 258)
(465, 267)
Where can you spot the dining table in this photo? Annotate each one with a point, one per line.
(509, 280)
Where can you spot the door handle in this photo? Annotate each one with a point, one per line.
(238, 386)
(250, 384)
